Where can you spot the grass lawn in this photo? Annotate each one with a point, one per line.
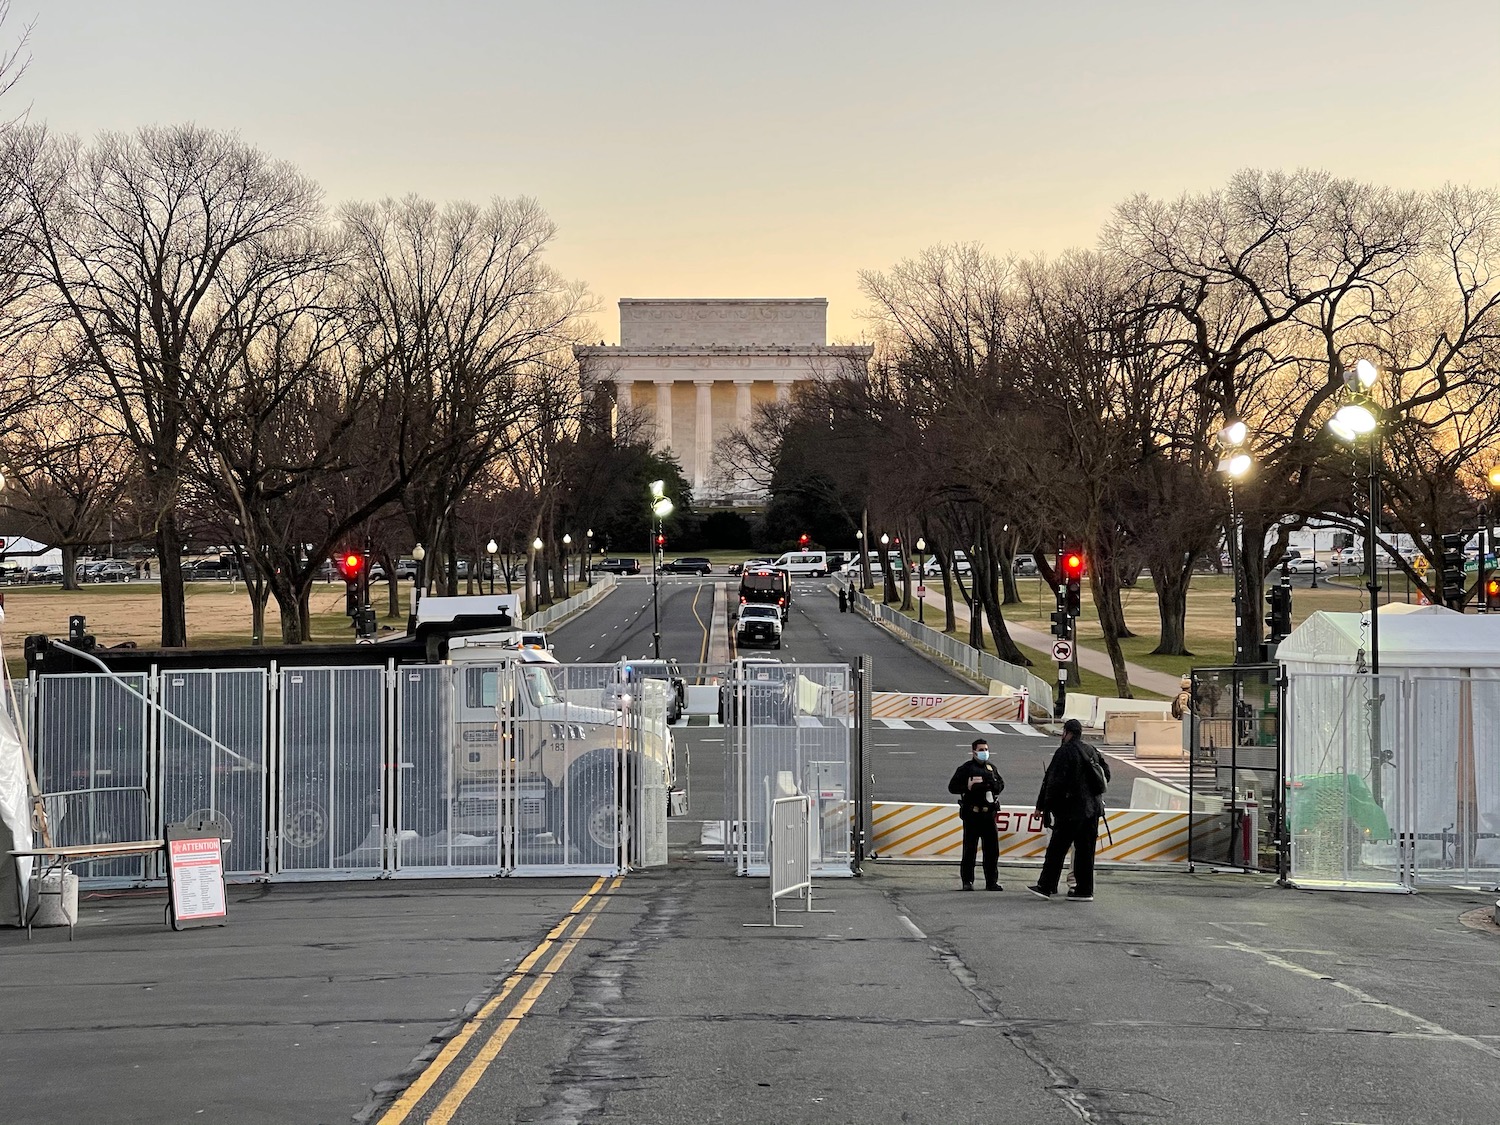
(1209, 626)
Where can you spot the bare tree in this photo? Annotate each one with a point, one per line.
(160, 246)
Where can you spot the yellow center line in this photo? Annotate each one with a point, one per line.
(491, 1049)
(703, 652)
(424, 1081)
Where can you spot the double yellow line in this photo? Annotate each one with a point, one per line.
(584, 911)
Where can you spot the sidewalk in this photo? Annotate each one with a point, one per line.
(1162, 683)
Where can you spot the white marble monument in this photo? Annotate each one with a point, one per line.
(699, 367)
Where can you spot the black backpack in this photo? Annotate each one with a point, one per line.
(1093, 775)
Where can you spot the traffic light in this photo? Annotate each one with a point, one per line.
(1072, 567)
(1492, 593)
(802, 541)
(1279, 616)
(1451, 563)
(661, 541)
(351, 565)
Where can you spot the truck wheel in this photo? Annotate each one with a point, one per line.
(596, 809)
(314, 832)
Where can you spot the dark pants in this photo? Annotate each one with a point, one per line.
(979, 828)
(1080, 834)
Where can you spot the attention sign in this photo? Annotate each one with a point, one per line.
(195, 878)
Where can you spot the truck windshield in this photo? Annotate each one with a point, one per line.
(540, 686)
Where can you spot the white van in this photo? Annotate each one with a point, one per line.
(803, 562)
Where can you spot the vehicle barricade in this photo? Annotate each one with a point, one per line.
(789, 857)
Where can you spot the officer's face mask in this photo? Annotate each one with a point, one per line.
(982, 755)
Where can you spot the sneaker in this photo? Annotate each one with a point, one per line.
(1074, 896)
(1036, 890)
(967, 887)
(993, 887)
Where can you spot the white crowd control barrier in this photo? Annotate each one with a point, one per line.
(789, 857)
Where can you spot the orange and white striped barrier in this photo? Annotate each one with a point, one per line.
(985, 708)
(921, 831)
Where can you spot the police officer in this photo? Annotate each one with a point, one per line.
(843, 600)
(978, 785)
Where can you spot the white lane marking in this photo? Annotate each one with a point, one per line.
(903, 754)
(912, 926)
(894, 724)
(1437, 1031)
(986, 728)
(1026, 729)
(938, 724)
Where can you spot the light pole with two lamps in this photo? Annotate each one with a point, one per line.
(661, 508)
(1356, 419)
(1234, 464)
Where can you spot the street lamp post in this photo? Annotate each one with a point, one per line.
(1355, 419)
(567, 542)
(661, 508)
(1235, 465)
(588, 557)
(887, 577)
(490, 548)
(533, 587)
(921, 580)
(418, 554)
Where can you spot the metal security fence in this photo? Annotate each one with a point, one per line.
(980, 665)
(1392, 780)
(93, 755)
(1235, 812)
(512, 767)
(792, 734)
(569, 606)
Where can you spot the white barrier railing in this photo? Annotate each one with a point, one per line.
(569, 606)
(789, 857)
(980, 665)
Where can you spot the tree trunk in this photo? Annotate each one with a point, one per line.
(1171, 607)
(1008, 581)
(987, 588)
(950, 619)
(1111, 633)
(888, 594)
(295, 618)
(173, 599)
(69, 567)
(906, 604)
(304, 610)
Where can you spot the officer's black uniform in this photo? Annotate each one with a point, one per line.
(977, 805)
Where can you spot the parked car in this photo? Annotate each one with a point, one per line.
(758, 624)
(693, 565)
(1305, 566)
(406, 569)
(749, 564)
(209, 570)
(625, 682)
(618, 566)
(107, 570)
(960, 564)
(43, 573)
(1347, 556)
(1022, 566)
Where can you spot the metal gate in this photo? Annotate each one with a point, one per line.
(792, 733)
(1234, 783)
(506, 768)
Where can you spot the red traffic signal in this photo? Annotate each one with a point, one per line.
(1072, 564)
(802, 539)
(1492, 593)
(661, 540)
(350, 564)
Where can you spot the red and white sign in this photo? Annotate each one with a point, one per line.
(921, 591)
(197, 874)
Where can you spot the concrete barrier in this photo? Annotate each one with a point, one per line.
(1159, 738)
(1119, 729)
(983, 708)
(1106, 706)
(1081, 707)
(912, 831)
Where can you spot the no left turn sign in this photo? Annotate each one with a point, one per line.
(1062, 651)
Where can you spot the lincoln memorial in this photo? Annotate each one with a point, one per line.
(700, 367)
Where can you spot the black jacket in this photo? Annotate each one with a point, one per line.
(1065, 788)
(972, 800)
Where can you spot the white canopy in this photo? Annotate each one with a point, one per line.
(1411, 637)
(28, 552)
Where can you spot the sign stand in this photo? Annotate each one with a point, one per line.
(195, 876)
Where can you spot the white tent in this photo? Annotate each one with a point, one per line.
(28, 552)
(1422, 743)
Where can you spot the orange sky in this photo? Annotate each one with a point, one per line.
(692, 149)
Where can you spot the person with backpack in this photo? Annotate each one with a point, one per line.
(1071, 802)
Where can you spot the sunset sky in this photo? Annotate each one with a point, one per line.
(775, 149)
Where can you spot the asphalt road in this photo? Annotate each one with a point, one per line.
(1175, 998)
(908, 765)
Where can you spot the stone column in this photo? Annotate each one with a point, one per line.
(622, 393)
(664, 411)
(703, 436)
(742, 402)
(783, 390)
